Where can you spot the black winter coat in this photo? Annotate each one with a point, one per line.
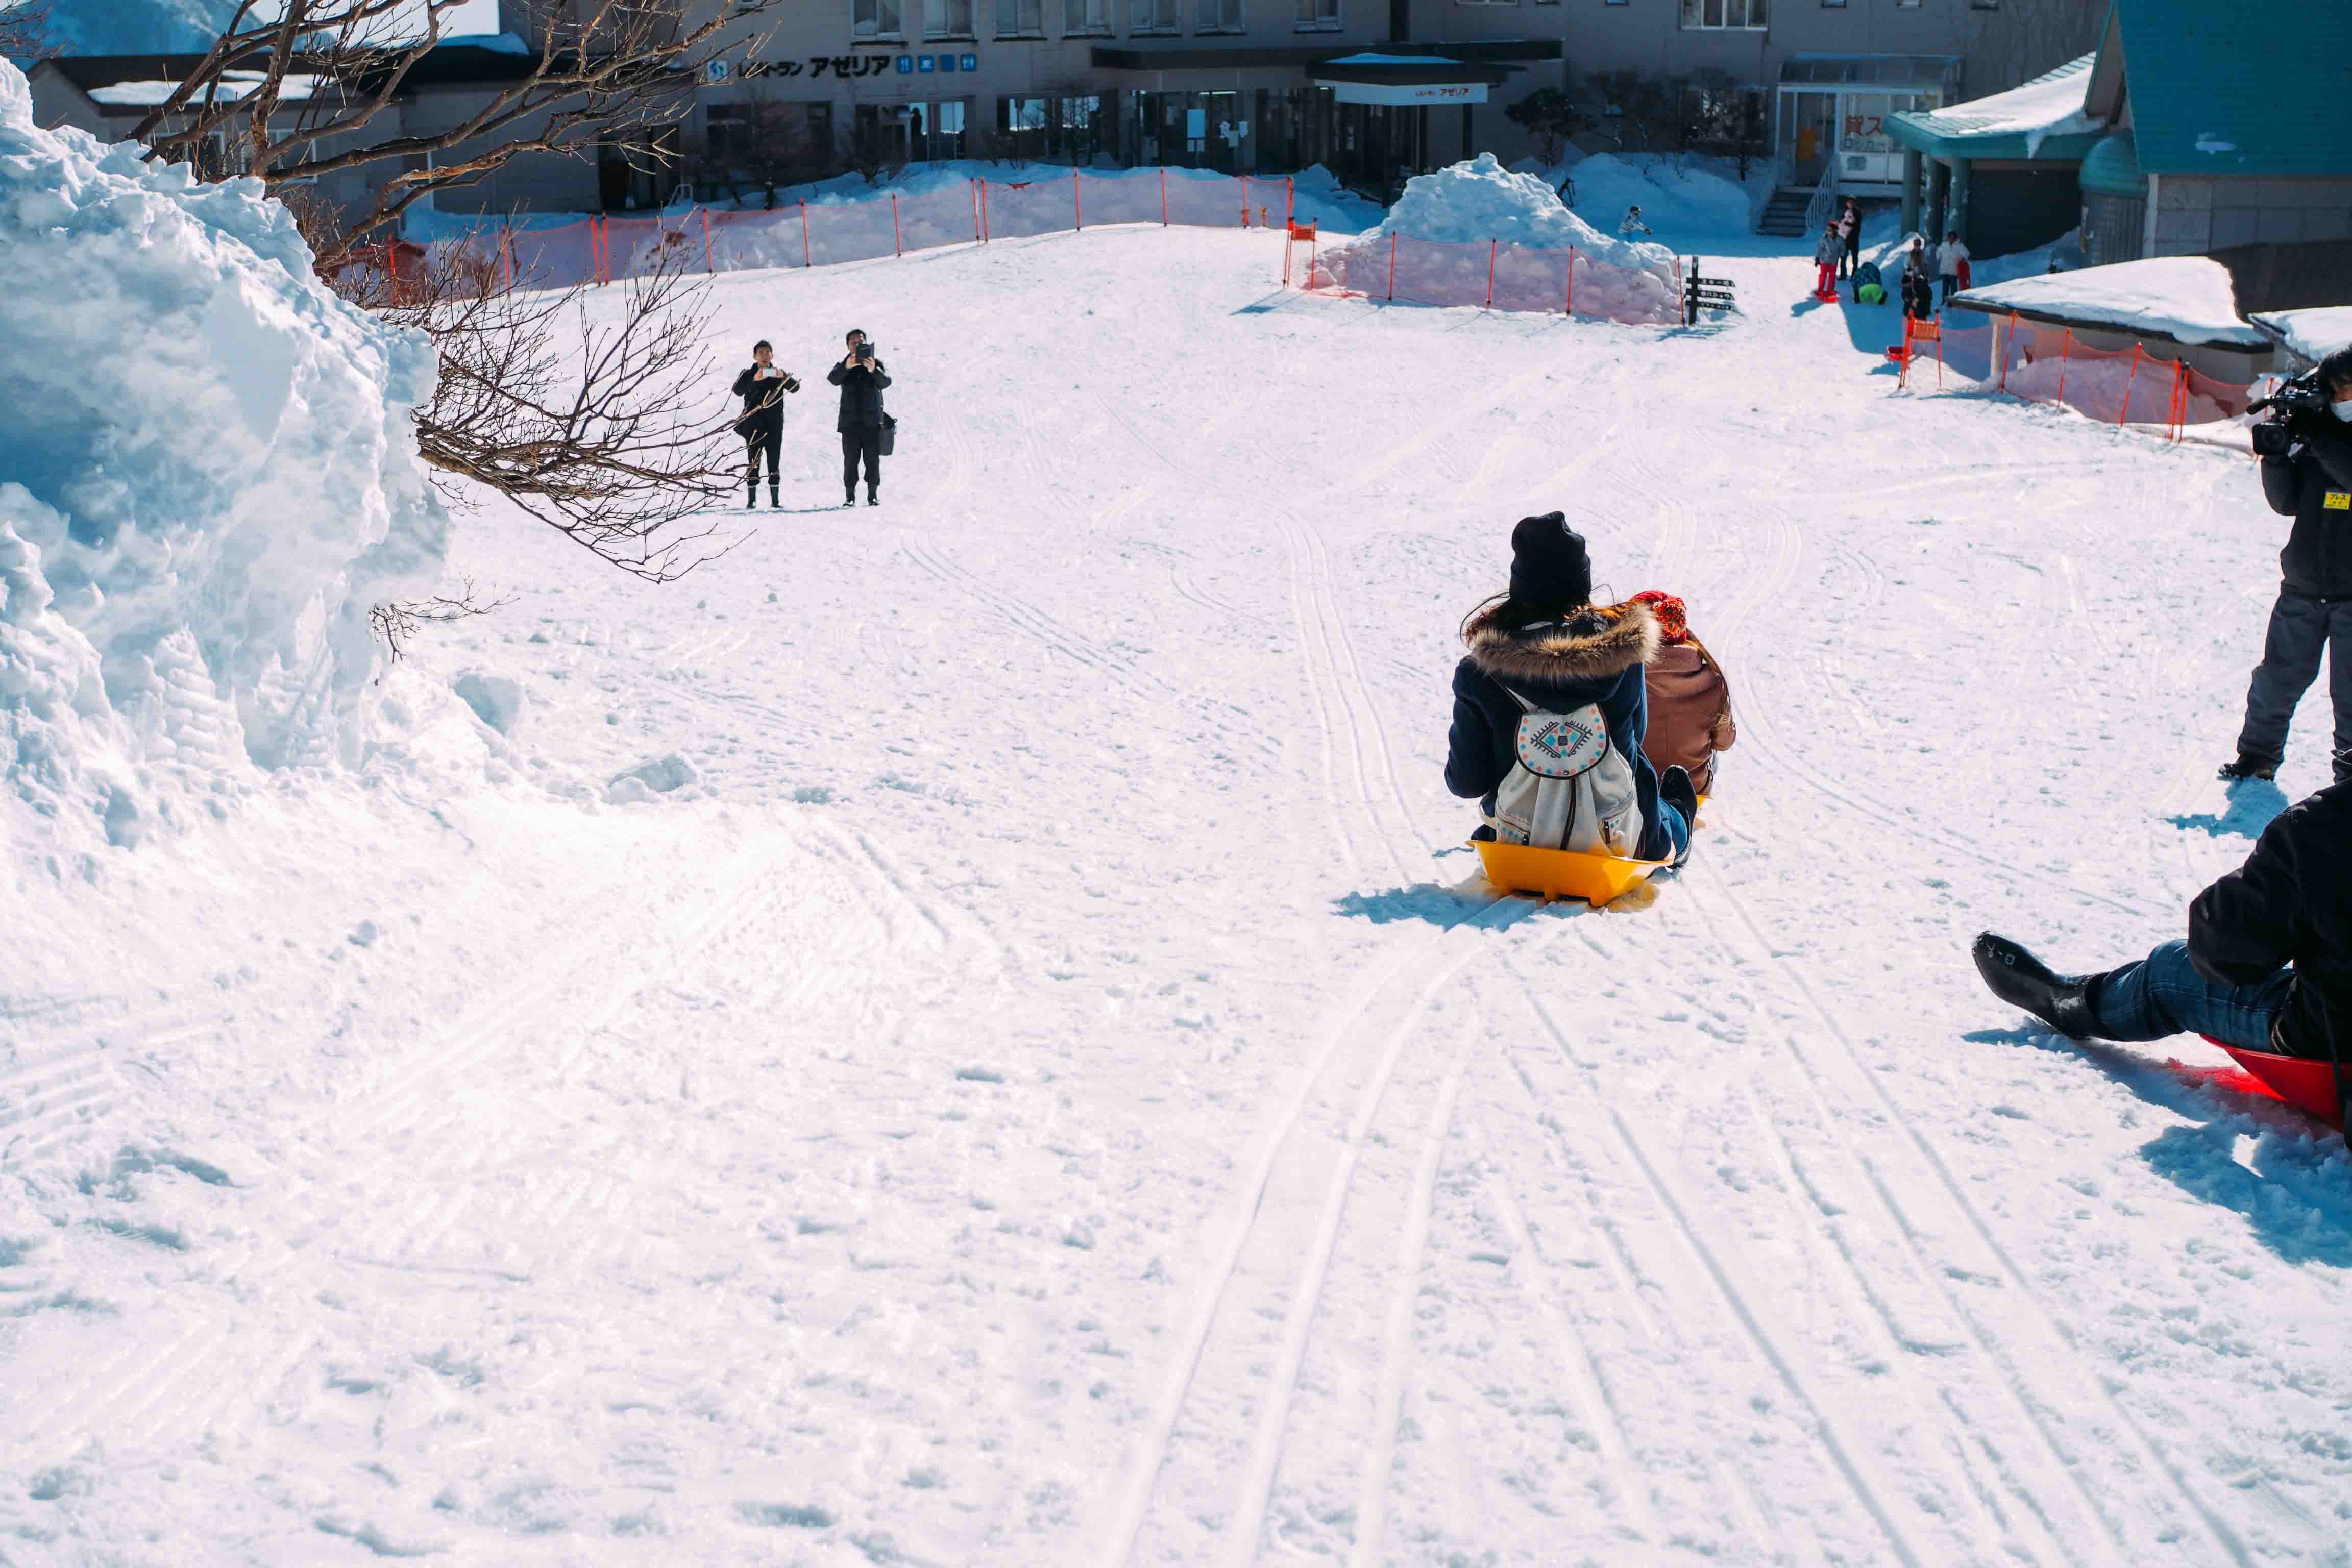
(2290, 903)
(861, 395)
(763, 401)
(1597, 657)
(2317, 560)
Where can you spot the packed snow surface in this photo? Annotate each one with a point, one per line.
(2188, 296)
(2050, 105)
(2313, 333)
(1004, 1056)
(207, 480)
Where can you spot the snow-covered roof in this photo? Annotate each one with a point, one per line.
(2048, 106)
(2311, 335)
(1381, 59)
(2187, 298)
(234, 85)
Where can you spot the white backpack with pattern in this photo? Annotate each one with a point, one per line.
(1570, 788)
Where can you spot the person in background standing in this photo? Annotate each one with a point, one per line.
(861, 379)
(1633, 223)
(763, 387)
(1850, 225)
(1918, 290)
(1951, 263)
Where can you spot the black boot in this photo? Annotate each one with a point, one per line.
(1675, 787)
(873, 495)
(2021, 980)
(774, 502)
(849, 496)
(2245, 768)
(752, 498)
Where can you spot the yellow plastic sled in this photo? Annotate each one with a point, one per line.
(1561, 873)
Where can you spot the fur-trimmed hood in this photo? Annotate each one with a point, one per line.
(1590, 645)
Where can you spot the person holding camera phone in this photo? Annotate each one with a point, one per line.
(861, 378)
(2306, 450)
(763, 387)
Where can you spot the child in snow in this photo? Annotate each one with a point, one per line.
(2267, 965)
(1952, 264)
(1918, 292)
(1850, 227)
(1825, 255)
(1690, 700)
(1542, 648)
(1634, 224)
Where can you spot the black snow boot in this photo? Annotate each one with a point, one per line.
(873, 495)
(2245, 768)
(849, 497)
(1675, 787)
(2021, 980)
(752, 498)
(775, 502)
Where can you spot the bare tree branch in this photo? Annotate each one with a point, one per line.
(398, 622)
(23, 30)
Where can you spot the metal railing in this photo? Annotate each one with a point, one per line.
(1823, 207)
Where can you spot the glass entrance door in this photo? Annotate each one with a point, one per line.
(1808, 134)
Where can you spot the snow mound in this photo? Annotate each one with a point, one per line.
(1472, 203)
(2189, 297)
(207, 480)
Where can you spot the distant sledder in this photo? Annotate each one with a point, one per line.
(1550, 715)
(1631, 223)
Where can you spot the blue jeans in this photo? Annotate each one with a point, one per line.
(1678, 830)
(2163, 994)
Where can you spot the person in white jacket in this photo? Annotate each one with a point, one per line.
(1951, 258)
(1633, 223)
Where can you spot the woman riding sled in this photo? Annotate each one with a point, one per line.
(1545, 669)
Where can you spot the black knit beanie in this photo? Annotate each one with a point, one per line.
(1549, 569)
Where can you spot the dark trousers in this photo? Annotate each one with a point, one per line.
(1852, 259)
(2300, 629)
(1951, 286)
(757, 441)
(864, 442)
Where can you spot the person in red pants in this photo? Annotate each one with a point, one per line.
(1826, 254)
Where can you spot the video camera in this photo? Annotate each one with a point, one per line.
(2297, 400)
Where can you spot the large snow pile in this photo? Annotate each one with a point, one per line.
(1679, 199)
(207, 480)
(1471, 204)
(2311, 335)
(2189, 297)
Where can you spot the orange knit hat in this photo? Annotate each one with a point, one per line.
(1674, 622)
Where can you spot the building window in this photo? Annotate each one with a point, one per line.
(1080, 18)
(875, 19)
(1020, 18)
(1747, 14)
(1220, 16)
(1155, 16)
(1319, 15)
(950, 19)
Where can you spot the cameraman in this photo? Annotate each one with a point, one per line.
(763, 387)
(861, 379)
(2311, 483)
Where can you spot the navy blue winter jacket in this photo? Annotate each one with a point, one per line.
(1596, 656)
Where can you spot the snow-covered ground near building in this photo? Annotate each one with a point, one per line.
(1029, 1074)
(2189, 297)
(1684, 198)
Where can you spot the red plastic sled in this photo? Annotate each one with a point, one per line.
(2309, 1086)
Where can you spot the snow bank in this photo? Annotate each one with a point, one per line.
(1473, 204)
(2311, 335)
(2189, 297)
(207, 478)
(1683, 201)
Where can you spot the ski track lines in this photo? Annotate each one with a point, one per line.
(2058, 1349)
(1221, 1323)
(51, 1102)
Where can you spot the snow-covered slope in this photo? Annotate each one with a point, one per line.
(1061, 1094)
(207, 480)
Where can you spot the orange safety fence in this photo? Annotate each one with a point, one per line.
(1493, 276)
(2037, 363)
(823, 234)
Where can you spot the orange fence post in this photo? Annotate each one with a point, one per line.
(1078, 203)
(808, 255)
(1163, 196)
(1491, 246)
(709, 264)
(898, 240)
(2125, 416)
(2065, 352)
(1392, 244)
(2005, 343)
(1289, 200)
(1569, 308)
(984, 233)
(972, 190)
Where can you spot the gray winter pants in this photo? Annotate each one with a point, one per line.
(2300, 629)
